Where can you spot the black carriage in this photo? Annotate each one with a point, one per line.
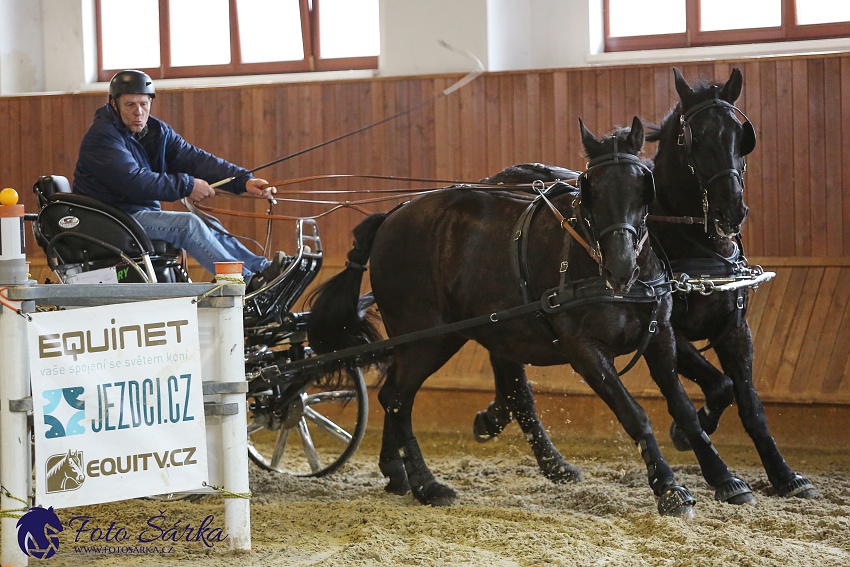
(304, 424)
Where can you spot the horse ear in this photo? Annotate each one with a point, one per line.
(636, 135)
(682, 87)
(588, 140)
(732, 89)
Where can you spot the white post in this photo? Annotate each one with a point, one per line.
(15, 463)
(234, 433)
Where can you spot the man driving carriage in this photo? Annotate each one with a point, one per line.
(133, 161)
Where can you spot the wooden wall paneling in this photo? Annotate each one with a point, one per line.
(629, 93)
(833, 132)
(753, 231)
(519, 138)
(10, 144)
(546, 132)
(618, 112)
(590, 106)
(473, 131)
(34, 140)
(822, 334)
(665, 95)
(574, 156)
(789, 315)
(843, 112)
(816, 167)
(534, 115)
(603, 104)
(800, 119)
(563, 122)
(800, 308)
(446, 138)
(769, 342)
(506, 125)
(786, 145)
(422, 140)
(837, 383)
(764, 208)
(490, 129)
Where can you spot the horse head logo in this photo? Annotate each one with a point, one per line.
(65, 471)
(37, 531)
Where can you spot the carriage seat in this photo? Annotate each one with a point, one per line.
(50, 188)
(72, 230)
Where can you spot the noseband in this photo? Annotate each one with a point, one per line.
(685, 140)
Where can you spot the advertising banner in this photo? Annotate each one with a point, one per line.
(117, 402)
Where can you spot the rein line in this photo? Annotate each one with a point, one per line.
(552, 301)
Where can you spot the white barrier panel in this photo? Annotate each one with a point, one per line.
(118, 411)
(219, 356)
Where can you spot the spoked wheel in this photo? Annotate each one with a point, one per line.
(317, 432)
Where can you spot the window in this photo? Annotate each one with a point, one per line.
(195, 38)
(657, 24)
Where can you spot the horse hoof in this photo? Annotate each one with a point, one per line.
(680, 440)
(481, 428)
(563, 473)
(396, 477)
(677, 501)
(734, 491)
(436, 494)
(397, 487)
(799, 487)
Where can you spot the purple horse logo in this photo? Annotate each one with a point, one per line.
(37, 531)
(65, 471)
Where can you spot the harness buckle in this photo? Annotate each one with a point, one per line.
(739, 303)
(653, 326)
(564, 266)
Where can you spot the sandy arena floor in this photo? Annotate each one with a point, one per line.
(506, 514)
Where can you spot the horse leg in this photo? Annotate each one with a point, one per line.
(513, 389)
(728, 487)
(489, 423)
(599, 373)
(735, 353)
(401, 458)
(716, 386)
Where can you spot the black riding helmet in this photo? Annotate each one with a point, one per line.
(131, 82)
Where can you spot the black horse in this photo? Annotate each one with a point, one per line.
(699, 174)
(464, 253)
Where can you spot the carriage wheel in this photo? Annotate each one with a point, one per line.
(320, 431)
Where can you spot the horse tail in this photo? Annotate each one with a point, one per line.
(335, 320)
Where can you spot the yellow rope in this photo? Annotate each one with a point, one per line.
(13, 512)
(227, 493)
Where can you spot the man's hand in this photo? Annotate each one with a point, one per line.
(201, 190)
(257, 186)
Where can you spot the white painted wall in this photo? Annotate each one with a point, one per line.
(57, 53)
(48, 45)
(21, 60)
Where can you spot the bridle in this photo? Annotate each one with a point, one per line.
(685, 139)
(588, 225)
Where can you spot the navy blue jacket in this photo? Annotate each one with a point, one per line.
(135, 175)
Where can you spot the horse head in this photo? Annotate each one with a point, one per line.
(74, 470)
(713, 143)
(616, 191)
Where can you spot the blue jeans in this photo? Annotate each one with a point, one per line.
(188, 232)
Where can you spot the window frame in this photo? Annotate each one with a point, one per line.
(312, 61)
(788, 30)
